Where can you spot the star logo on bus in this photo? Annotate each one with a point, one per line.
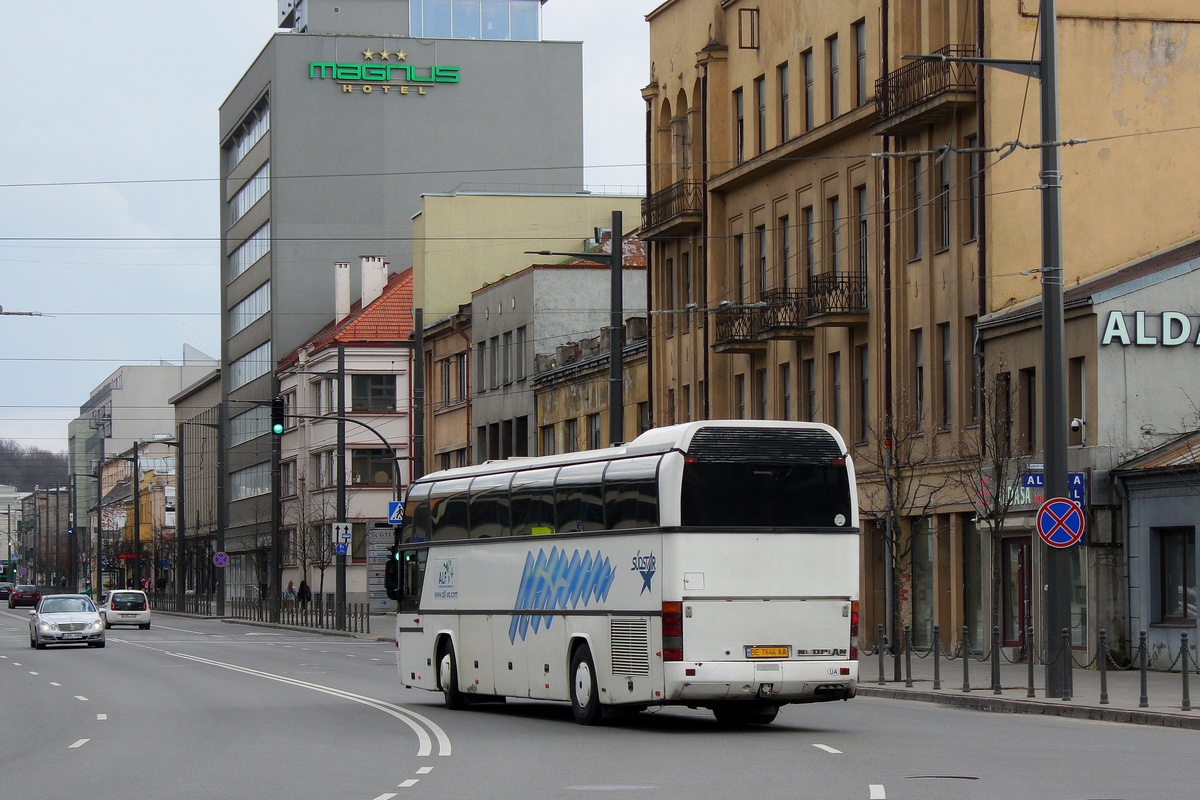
(645, 565)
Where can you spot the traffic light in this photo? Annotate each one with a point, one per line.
(278, 416)
(391, 575)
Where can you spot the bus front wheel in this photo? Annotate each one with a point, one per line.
(448, 677)
(585, 699)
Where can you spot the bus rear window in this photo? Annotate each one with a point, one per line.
(765, 496)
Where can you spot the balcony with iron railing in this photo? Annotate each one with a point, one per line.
(738, 329)
(837, 300)
(925, 91)
(784, 314)
(677, 209)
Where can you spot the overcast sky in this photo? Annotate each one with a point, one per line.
(108, 130)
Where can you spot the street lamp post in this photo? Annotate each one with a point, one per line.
(1057, 571)
(616, 377)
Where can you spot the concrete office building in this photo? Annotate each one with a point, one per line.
(327, 144)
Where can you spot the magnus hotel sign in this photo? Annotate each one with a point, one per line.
(383, 72)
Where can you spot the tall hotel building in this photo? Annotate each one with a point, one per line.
(327, 143)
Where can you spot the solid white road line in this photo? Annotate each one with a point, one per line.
(80, 743)
(877, 792)
(409, 718)
(827, 748)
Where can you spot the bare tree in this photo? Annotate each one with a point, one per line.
(901, 482)
(993, 458)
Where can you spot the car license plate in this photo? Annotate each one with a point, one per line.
(768, 651)
(72, 635)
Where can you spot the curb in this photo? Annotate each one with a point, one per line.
(1030, 706)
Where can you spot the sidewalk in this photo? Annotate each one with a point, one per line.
(1164, 691)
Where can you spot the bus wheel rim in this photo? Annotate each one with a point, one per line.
(583, 684)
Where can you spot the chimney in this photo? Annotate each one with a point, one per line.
(374, 278)
(341, 290)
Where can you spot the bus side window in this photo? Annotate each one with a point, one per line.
(489, 506)
(578, 498)
(631, 493)
(448, 509)
(532, 502)
(416, 514)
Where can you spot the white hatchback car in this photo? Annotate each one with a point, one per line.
(126, 607)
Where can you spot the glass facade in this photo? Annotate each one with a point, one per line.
(511, 20)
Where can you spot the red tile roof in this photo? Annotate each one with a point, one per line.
(388, 319)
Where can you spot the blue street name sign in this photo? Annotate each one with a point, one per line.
(1076, 484)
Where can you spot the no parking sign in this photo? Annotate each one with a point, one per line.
(1060, 522)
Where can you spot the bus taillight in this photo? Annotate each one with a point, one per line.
(854, 630)
(672, 631)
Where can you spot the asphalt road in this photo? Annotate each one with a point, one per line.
(206, 709)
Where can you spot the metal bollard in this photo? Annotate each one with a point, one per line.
(937, 667)
(1183, 661)
(908, 656)
(1103, 667)
(966, 657)
(1029, 691)
(1066, 652)
(880, 643)
(1144, 700)
(996, 689)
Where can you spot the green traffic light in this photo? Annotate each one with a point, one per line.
(277, 428)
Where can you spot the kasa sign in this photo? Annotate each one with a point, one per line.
(1174, 328)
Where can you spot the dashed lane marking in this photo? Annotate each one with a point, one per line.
(55, 683)
(386, 796)
(827, 748)
(80, 743)
(101, 717)
(81, 698)
(424, 770)
(408, 783)
(877, 792)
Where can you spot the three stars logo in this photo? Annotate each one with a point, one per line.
(370, 54)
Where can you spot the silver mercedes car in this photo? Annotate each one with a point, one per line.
(65, 619)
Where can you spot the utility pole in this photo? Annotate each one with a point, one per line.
(1056, 572)
(340, 597)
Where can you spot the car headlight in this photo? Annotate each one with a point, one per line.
(95, 626)
(47, 627)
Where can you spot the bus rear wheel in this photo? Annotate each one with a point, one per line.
(448, 677)
(585, 699)
(745, 713)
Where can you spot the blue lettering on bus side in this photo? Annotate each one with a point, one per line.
(645, 565)
(552, 581)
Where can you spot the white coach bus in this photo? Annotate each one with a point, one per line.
(710, 564)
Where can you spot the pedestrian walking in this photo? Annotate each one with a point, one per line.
(304, 595)
(289, 595)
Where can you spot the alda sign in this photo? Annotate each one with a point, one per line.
(1174, 328)
(382, 76)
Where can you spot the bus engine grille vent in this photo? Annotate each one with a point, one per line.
(811, 447)
(630, 641)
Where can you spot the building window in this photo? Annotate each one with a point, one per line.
(835, 390)
(785, 252)
(481, 365)
(760, 243)
(251, 481)
(643, 415)
(785, 110)
(685, 272)
(863, 406)
(372, 468)
(1029, 408)
(945, 389)
(250, 193)
(593, 431)
(249, 425)
(287, 478)
(943, 204)
(461, 374)
(494, 361)
(373, 392)
(810, 242)
(834, 213)
(810, 389)
(253, 365)
(764, 397)
(508, 356)
(862, 230)
(547, 436)
(739, 246)
(687, 403)
(972, 372)
(914, 210)
(972, 166)
(668, 298)
(1177, 574)
(860, 63)
(918, 380)
(739, 131)
(806, 61)
(445, 369)
(251, 307)
(512, 20)
(785, 391)
(571, 444)
(831, 51)
(760, 111)
(250, 132)
(519, 354)
(1003, 414)
(739, 395)
(1077, 401)
(250, 251)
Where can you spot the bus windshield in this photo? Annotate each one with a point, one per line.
(764, 495)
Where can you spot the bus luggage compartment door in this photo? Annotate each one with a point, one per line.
(816, 629)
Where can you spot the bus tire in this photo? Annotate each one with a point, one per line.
(745, 713)
(585, 698)
(448, 678)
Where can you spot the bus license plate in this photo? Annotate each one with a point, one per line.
(768, 651)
